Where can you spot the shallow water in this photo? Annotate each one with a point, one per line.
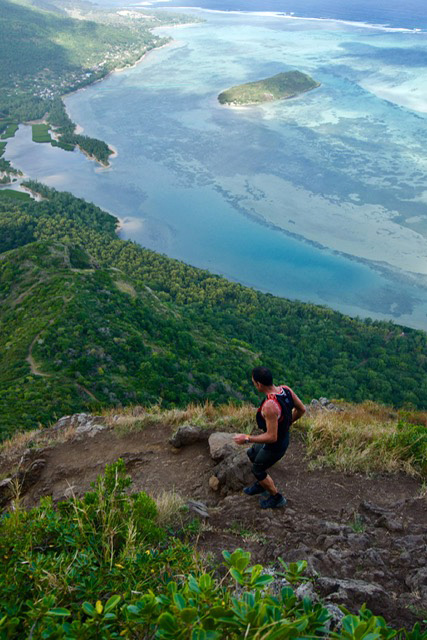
(321, 198)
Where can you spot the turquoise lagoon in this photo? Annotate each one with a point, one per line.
(321, 198)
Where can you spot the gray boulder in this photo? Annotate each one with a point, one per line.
(234, 472)
(222, 445)
(188, 434)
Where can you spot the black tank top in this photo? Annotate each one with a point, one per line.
(286, 403)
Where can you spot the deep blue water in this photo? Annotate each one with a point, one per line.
(396, 13)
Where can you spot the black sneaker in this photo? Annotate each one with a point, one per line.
(254, 490)
(273, 502)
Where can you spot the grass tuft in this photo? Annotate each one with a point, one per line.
(170, 509)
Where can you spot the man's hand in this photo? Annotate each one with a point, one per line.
(240, 438)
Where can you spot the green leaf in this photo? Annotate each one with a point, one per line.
(240, 559)
(205, 582)
(188, 614)
(60, 612)
(350, 623)
(262, 581)
(167, 622)
(110, 616)
(179, 600)
(237, 576)
(193, 584)
(112, 603)
(89, 609)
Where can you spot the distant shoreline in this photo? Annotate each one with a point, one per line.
(79, 129)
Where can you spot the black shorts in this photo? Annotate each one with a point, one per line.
(263, 456)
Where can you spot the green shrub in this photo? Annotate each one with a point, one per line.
(99, 568)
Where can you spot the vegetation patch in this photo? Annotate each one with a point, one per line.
(10, 131)
(101, 566)
(41, 133)
(14, 195)
(367, 437)
(281, 86)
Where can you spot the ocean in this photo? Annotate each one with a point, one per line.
(321, 198)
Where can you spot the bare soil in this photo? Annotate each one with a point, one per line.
(348, 526)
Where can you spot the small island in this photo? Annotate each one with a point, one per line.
(279, 87)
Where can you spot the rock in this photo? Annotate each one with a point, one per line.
(6, 491)
(323, 404)
(234, 472)
(199, 508)
(374, 556)
(32, 474)
(359, 540)
(222, 445)
(352, 591)
(389, 523)
(214, 483)
(332, 527)
(336, 616)
(188, 434)
(84, 423)
(306, 590)
(411, 542)
(373, 509)
(417, 580)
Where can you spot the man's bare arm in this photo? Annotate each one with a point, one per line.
(272, 423)
(299, 408)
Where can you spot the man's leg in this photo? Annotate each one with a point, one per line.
(263, 460)
(269, 485)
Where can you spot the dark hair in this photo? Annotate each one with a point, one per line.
(262, 375)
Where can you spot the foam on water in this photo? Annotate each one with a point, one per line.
(291, 16)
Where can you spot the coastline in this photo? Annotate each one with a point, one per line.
(79, 129)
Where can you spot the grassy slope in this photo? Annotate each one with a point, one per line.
(118, 324)
(281, 86)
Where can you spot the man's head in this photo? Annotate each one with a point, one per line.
(262, 377)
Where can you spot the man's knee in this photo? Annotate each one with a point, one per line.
(259, 472)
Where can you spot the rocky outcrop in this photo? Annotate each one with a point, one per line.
(233, 473)
(85, 425)
(322, 404)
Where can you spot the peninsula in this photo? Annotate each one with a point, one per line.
(282, 86)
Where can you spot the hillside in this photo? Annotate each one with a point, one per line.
(288, 84)
(89, 320)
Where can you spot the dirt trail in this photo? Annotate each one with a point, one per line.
(33, 366)
(349, 526)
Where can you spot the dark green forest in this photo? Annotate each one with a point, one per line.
(108, 322)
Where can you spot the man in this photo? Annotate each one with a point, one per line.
(279, 409)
